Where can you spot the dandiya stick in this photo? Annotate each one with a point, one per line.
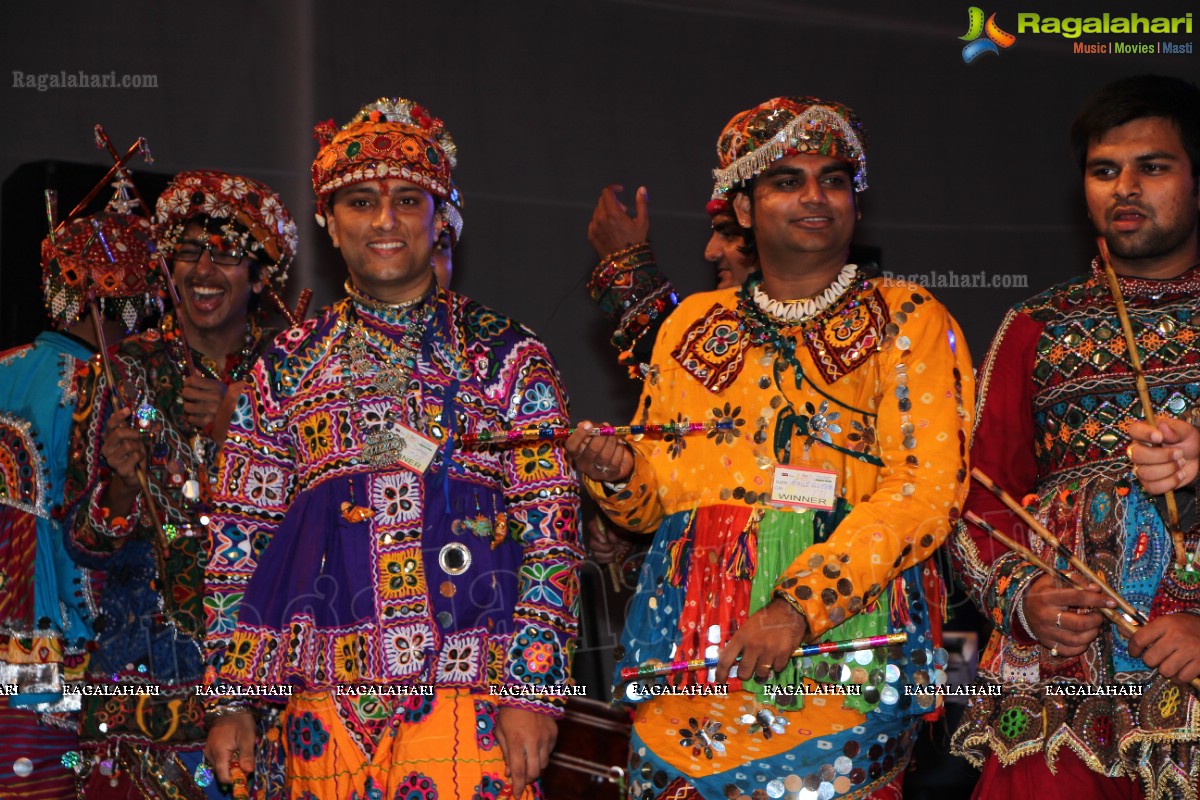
(1126, 624)
(237, 776)
(1049, 538)
(536, 433)
(1139, 377)
(816, 649)
(118, 402)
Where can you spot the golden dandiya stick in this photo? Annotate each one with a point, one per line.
(1127, 625)
(1135, 361)
(1049, 538)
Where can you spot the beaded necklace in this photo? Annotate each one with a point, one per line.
(361, 352)
(207, 367)
(765, 330)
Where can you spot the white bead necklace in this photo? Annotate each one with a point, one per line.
(807, 307)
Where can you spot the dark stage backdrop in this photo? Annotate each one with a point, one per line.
(549, 101)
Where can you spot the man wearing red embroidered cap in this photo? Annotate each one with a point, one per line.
(835, 411)
(420, 595)
(226, 238)
(45, 599)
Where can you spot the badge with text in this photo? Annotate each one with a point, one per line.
(811, 488)
(400, 445)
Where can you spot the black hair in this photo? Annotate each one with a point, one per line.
(1135, 98)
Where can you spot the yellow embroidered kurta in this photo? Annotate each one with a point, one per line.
(876, 390)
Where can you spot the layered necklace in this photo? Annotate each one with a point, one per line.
(383, 365)
(180, 356)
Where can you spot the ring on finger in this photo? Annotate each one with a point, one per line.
(1058, 619)
(1054, 650)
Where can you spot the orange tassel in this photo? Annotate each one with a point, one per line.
(352, 513)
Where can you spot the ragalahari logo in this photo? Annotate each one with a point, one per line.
(996, 38)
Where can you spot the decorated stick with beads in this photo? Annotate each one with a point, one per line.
(1139, 377)
(1049, 538)
(98, 329)
(237, 776)
(817, 649)
(559, 432)
(1126, 624)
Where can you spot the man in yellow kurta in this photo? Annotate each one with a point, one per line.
(830, 459)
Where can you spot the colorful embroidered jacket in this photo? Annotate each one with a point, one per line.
(150, 623)
(1056, 399)
(45, 621)
(875, 391)
(329, 569)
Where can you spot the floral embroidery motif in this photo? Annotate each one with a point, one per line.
(405, 649)
(713, 349)
(417, 707)
(416, 786)
(264, 485)
(396, 497)
(862, 435)
(401, 574)
(704, 737)
(535, 463)
(485, 724)
(821, 423)
(728, 415)
(533, 657)
(538, 399)
(676, 441)
(723, 337)
(848, 339)
(318, 435)
(307, 736)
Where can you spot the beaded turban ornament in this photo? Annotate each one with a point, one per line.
(235, 210)
(787, 126)
(390, 138)
(108, 256)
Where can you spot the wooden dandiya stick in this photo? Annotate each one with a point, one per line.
(118, 402)
(1128, 624)
(1125, 624)
(118, 166)
(1135, 361)
(1049, 538)
(816, 649)
(536, 433)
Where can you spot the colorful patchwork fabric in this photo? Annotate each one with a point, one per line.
(45, 620)
(149, 622)
(470, 568)
(441, 745)
(1056, 398)
(892, 426)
